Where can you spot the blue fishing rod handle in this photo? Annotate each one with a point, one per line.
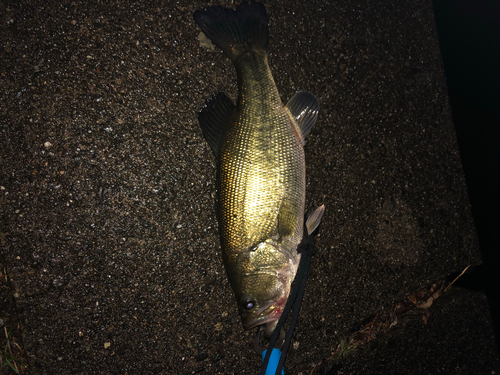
(274, 360)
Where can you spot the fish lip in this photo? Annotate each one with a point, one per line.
(263, 308)
(257, 322)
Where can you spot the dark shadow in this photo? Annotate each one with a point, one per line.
(469, 35)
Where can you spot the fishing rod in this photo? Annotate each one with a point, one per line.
(274, 356)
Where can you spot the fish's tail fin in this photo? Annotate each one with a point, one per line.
(236, 31)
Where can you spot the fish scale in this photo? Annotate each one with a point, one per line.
(258, 145)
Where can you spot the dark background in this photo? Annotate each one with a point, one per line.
(469, 35)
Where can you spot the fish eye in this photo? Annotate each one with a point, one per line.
(248, 304)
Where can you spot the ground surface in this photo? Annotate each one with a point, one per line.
(109, 237)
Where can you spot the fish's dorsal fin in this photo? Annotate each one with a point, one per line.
(314, 219)
(304, 108)
(214, 118)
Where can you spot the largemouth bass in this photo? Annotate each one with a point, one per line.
(258, 145)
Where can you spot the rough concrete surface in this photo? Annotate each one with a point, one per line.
(109, 236)
(457, 339)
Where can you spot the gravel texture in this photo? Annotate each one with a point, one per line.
(107, 185)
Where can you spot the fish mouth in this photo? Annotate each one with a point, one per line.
(267, 314)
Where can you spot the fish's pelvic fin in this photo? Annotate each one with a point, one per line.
(304, 108)
(235, 31)
(314, 219)
(214, 118)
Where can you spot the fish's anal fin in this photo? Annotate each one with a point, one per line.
(314, 219)
(214, 119)
(304, 108)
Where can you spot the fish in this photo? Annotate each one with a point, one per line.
(258, 144)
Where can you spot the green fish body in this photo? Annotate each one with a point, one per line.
(258, 145)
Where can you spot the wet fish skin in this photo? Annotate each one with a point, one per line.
(258, 145)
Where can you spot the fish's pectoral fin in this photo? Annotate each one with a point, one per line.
(304, 108)
(214, 118)
(314, 219)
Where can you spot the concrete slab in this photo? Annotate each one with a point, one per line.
(457, 339)
(107, 185)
